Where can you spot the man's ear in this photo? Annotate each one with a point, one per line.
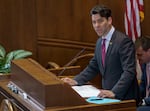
(110, 20)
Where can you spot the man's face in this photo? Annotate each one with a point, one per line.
(143, 56)
(101, 24)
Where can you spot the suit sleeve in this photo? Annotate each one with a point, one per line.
(88, 73)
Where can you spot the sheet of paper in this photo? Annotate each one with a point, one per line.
(86, 91)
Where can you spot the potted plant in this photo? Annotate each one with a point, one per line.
(6, 58)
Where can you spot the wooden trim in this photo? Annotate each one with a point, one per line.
(65, 43)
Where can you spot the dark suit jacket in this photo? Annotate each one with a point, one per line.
(119, 72)
(143, 85)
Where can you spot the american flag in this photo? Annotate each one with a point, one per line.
(134, 14)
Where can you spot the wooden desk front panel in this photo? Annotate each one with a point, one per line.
(24, 105)
(121, 106)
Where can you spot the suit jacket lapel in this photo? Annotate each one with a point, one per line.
(109, 51)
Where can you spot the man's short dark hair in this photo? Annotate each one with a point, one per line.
(144, 42)
(102, 10)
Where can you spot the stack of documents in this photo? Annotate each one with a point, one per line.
(86, 91)
(90, 92)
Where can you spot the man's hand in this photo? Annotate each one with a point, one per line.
(69, 81)
(106, 94)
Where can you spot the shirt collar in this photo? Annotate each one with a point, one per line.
(109, 35)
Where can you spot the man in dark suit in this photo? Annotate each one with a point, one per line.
(118, 70)
(143, 54)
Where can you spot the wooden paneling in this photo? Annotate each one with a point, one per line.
(56, 30)
(146, 22)
(65, 19)
(18, 24)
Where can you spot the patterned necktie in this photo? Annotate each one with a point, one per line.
(148, 80)
(103, 51)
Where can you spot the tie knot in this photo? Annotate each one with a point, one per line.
(103, 40)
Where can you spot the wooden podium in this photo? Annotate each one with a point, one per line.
(46, 92)
(41, 86)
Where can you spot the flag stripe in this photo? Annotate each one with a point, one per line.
(127, 21)
(133, 11)
(133, 7)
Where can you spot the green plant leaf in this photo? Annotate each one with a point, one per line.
(9, 57)
(2, 51)
(16, 52)
(2, 63)
(5, 60)
(22, 54)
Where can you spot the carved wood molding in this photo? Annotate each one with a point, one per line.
(64, 43)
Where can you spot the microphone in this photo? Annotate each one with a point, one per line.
(78, 54)
(69, 63)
